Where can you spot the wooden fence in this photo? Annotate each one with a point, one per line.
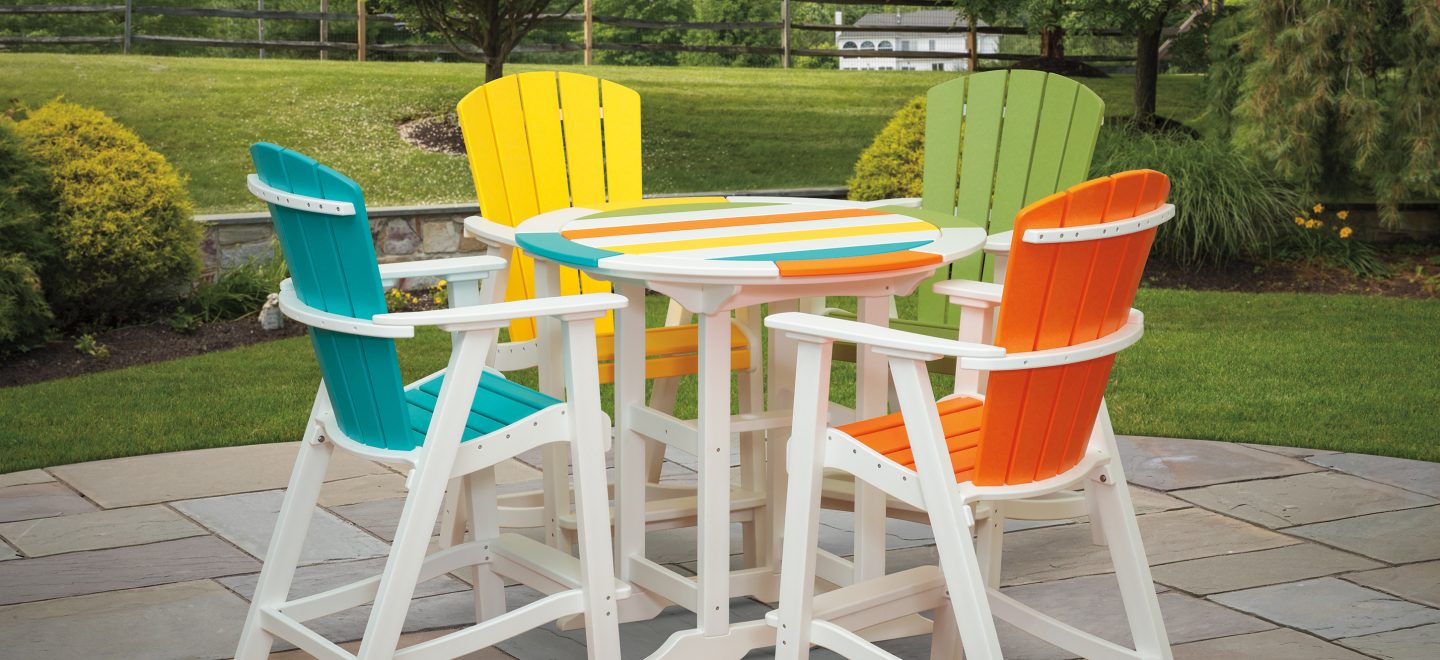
(584, 22)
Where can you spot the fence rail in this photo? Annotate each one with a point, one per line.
(325, 45)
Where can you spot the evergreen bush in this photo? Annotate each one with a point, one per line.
(894, 164)
(25, 202)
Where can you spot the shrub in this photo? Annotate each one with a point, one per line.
(26, 200)
(894, 164)
(235, 293)
(1225, 206)
(25, 318)
(122, 224)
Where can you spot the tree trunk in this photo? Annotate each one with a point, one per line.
(1147, 68)
(494, 68)
(1052, 42)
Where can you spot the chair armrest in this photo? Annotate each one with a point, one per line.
(475, 317)
(970, 293)
(886, 340)
(490, 232)
(910, 202)
(999, 244)
(291, 306)
(1110, 344)
(455, 269)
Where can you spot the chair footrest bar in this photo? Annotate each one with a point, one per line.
(673, 512)
(1054, 632)
(882, 599)
(846, 643)
(496, 630)
(363, 591)
(540, 566)
(296, 633)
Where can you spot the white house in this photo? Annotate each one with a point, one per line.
(910, 47)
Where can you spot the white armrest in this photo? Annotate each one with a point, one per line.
(797, 324)
(911, 202)
(970, 292)
(292, 307)
(999, 244)
(455, 269)
(568, 308)
(490, 232)
(1110, 344)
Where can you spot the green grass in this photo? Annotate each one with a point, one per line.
(1348, 373)
(705, 128)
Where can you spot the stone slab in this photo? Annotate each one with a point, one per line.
(1398, 537)
(1303, 498)
(407, 639)
(837, 533)
(1278, 644)
(1409, 644)
(99, 529)
(1292, 452)
(7, 553)
(364, 488)
(311, 580)
(200, 473)
(1052, 553)
(25, 477)
(1170, 464)
(1330, 608)
(95, 571)
(248, 521)
(1419, 476)
(1254, 569)
(379, 517)
(42, 500)
(1415, 582)
(185, 621)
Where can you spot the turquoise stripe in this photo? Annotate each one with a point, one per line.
(551, 245)
(829, 253)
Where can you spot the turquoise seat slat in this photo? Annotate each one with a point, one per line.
(498, 403)
(476, 423)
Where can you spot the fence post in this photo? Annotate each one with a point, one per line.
(260, 27)
(360, 30)
(785, 33)
(972, 46)
(589, 33)
(128, 4)
(324, 29)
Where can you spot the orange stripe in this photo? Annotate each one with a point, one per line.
(865, 264)
(712, 223)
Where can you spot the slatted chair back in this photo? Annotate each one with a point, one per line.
(332, 265)
(995, 142)
(1036, 422)
(543, 141)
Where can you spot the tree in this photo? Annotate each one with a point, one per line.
(492, 28)
(652, 10)
(734, 11)
(1147, 19)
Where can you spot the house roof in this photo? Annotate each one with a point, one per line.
(941, 18)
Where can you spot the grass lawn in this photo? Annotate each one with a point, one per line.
(1347, 373)
(705, 128)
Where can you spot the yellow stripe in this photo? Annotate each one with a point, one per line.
(763, 239)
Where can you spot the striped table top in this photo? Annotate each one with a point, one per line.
(740, 239)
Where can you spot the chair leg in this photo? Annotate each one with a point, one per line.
(662, 398)
(285, 545)
(750, 386)
(945, 643)
(970, 605)
(1132, 568)
(1097, 517)
(489, 587)
(455, 513)
(990, 544)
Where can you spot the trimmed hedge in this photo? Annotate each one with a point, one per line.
(25, 202)
(122, 224)
(894, 164)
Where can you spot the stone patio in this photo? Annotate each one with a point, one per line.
(1259, 552)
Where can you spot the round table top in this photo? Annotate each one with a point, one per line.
(745, 240)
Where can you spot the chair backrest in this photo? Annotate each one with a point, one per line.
(543, 141)
(333, 268)
(995, 142)
(1036, 422)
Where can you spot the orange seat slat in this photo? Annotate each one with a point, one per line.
(959, 418)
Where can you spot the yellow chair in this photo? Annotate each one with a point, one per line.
(543, 141)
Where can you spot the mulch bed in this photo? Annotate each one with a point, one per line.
(439, 134)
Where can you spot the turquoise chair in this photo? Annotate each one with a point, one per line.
(457, 423)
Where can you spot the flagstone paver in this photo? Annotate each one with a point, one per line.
(364, 488)
(1278, 644)
(1398, 537)
(186, 621)
(1330, 607)
(1255, 569)
(25, 477)
(248, 521)
(1417, 582)
(379, 517)
(408, 639)
(7, 553)
(95, 571)
(99, 529)
(1292, 452)
(1303, 498)
(201, 473)
(1419, 476)
(40, 500)
(1409, 644)
(1169, 464)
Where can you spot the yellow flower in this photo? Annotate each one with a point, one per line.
(1299, 220)
(441, 285)
(1343, 215)
(1345, 232)
(1319, 208)
(1309, 224)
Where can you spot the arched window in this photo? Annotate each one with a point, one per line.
(867, 44)
(849, 44)
(886, 45)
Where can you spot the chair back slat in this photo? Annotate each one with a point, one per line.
(543, 141)
(994, 142)
(333, 268)
(1036, 421)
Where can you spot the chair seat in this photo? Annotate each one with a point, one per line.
(498, 403)
(672, 351)
(959, 417)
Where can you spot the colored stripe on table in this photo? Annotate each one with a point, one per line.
(829, 253)
(771, 238)
(659, 226)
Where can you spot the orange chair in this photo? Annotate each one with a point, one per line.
(1040, 428)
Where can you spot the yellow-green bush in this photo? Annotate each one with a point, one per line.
(894, 164)
(122, 226)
